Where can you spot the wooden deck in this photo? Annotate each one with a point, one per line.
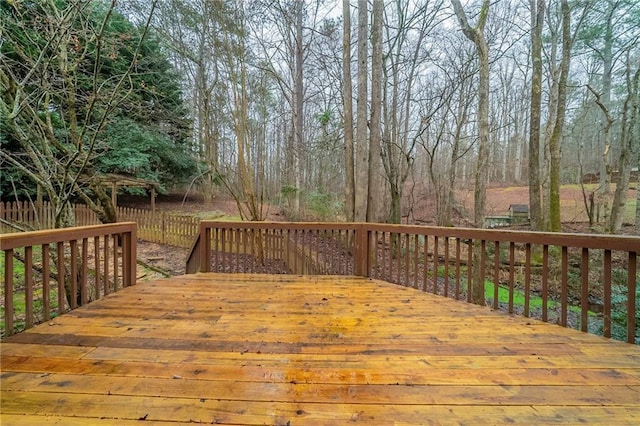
(289, 350)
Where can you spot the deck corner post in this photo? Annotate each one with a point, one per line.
(205, 247)
(361, 249)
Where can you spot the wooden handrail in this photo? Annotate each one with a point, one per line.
(111, 250)
(568, 269)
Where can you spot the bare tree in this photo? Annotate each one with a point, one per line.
(362, 146)
(476, 34)
(630, 152)
(406, 30)
(348, 113)
(375, 178)
(246, 188)
(535, 207)
(298, 101)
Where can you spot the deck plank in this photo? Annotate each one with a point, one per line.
(263, 349)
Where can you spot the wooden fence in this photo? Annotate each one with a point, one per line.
(159, 227)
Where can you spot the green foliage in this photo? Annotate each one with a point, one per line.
(324, 117)
(619, 297)
(288, 191)
(324, 204)
(137, 150)
(95, 97)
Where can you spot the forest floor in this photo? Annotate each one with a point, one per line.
(574, 218)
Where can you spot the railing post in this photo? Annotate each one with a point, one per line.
(205, 247)
(361, 249)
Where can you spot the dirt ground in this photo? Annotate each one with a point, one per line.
(157, 260)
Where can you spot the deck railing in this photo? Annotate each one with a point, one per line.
(584, 281)
(85, 262)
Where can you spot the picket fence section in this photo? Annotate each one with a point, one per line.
(157, 227)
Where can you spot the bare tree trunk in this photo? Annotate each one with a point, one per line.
(535, 209)
(629, 153)
(461, 122)
(555, 221)
(605, 176)
(606, 169)
(362, 156)
(299, 106)
(477, 36)
(348, 112)
(375, 180)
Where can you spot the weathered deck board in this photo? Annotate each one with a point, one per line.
(260, 349)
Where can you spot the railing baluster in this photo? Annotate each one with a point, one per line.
(398, 257)
(105, 266)
(115, 261)
(96, 259)
(527, 279)
(446, 266)
(236, 248)
(469, 268)
(512, 270)
(425, 263)
(28, 290)
(606, 312)
(405, 259)
(632, 270)
(496, 275)
(383, 260)
(564, 282)
(458, 254)
(60, 265)
(244, 235)
(73, 303)
(215, 235)
(223, 252)
(295, 248)
(436, 264)
(318, 262)
(84, 272)
(584, 296)
(393, 253)
(545, 281)
(416, 250)
(46, 276)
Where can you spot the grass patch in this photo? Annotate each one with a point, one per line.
(535, 302)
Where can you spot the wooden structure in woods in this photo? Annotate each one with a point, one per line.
(519, 213)
(114, 181)
(376, 341)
